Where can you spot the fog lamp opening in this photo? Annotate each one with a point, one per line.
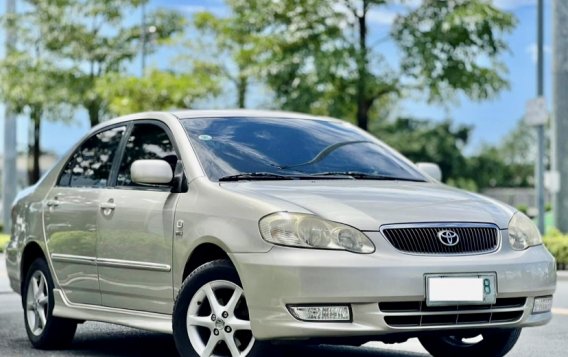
(542, 304)
(324, 313)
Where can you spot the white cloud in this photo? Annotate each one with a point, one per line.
(532, 51)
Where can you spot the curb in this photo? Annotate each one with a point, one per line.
(562, 275)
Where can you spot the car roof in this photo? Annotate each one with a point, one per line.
(247, 113)
(213, 113)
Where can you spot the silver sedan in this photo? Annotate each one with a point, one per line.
(237, 231)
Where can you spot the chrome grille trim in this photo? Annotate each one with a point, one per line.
(415, 314)
(421, 238)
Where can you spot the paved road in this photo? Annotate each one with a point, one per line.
(97, 339)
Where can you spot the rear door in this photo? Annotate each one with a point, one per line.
(136, 228)
(70, 212)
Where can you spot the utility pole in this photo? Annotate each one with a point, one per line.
(10, 176)
(540, 128)
(143, 40)
(560, 78)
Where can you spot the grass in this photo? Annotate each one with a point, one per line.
(4, 238)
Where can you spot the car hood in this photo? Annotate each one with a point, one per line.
(367, 205)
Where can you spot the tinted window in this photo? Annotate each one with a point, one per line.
(90, 165)
(147, 141)
(231, 146)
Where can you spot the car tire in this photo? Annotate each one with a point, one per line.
(44, 330)
(200, 328)
(494, 343)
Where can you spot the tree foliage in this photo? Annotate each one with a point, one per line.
(231, 45)
(503, 165)
(93, 37)
(31, 82)
(158, 90)
(455, 45)
(318, 57)
(509, 164)
(428, 141)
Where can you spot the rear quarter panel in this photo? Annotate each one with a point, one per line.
(27, 224)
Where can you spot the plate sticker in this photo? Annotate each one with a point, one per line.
(205, 137)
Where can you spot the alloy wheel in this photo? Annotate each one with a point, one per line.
(217, 321)
(37, 302)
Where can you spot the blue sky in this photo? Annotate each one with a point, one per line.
(492, 119)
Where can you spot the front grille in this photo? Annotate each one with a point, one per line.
(423, 239)
(417, 314)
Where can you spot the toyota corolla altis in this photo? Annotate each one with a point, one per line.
(238, 231)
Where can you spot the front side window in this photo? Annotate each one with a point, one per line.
(291, 148)
(91, 164)
(146, 142)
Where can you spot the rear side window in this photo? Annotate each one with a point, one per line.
(146, 142)
(91, 164)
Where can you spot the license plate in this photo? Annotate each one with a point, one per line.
(463, 289)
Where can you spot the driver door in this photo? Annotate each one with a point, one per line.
(135, 222)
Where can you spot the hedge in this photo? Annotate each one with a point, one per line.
(557, 244)
(4, 238)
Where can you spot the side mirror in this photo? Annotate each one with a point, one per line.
(431, 169)
(154, 172)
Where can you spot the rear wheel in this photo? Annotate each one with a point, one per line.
(44, 330)
(490, 343)
(211, 316)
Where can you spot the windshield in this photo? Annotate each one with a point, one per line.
(255, 148)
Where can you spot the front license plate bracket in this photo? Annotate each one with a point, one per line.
(461, 289)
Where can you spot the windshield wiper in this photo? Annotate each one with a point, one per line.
(257, 176)
(273, 176)
(356, 175)
(325, 152)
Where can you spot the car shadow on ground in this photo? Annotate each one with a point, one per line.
(126, 342)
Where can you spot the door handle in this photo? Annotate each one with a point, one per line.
(107, 207)
(52, 203)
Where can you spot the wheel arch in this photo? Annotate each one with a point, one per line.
(30, 253)
(201, 254)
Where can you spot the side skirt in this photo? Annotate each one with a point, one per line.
(137, 319)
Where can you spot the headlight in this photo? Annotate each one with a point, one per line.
(523, 232)
(309, 231)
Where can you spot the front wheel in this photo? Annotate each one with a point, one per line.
(211, 316)
(44, 330)
(490, 343)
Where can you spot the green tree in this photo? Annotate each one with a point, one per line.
(318, 56)
(454, 46)
(229, 43)
(93, 36)
(430, 141)
(32, 84)
(159, 90)
(509, 164)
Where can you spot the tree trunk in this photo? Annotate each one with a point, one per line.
(242, 86)
(363, 106)
(94, 110)
(35, 170)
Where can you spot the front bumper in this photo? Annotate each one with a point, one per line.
(286, 276)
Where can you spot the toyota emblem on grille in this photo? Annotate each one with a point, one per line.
(448, 238)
